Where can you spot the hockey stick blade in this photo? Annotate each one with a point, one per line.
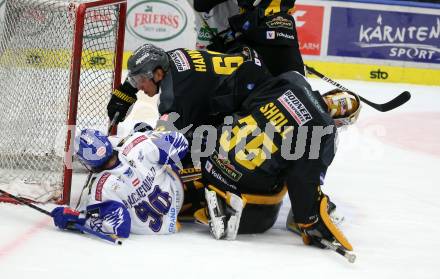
(392, 104)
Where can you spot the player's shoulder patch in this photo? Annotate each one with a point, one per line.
(100, 186)
(295, 107)
(132, 143)
(180, 60)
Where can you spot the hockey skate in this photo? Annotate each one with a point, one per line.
(224, 215)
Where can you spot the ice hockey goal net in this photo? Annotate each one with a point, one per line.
(59, 61)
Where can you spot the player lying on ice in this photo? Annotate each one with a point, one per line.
(248, 174)
(134, 187)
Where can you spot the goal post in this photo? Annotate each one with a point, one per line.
(59, 62)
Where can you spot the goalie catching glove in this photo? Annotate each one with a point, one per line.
(336, 218)
(322, 227)
(122, 99)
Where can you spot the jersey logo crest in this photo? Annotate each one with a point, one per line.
(180, 60)
(295, 107)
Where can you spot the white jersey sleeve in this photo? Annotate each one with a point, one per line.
(143, 183)
(217, 20)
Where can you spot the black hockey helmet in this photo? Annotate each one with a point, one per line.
(144, 61)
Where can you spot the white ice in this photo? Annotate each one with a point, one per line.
(383, 181)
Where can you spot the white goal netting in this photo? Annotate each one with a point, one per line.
(39, 86)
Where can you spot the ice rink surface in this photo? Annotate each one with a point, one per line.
(384, 180)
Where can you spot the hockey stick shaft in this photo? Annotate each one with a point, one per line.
(349, 256)
(325, 78)
(111, 238)
(25, 202)
(392, 104)
(113, 123)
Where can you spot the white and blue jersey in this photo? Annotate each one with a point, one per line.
(142, 194)
(216, 20)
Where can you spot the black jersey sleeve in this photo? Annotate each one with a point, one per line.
(235, 88)
(304, 177)
(206, 5)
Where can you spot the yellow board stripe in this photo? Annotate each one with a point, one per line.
(338, 70)
(125, 57)
(380, 73)
(57, 58)
(47, 58)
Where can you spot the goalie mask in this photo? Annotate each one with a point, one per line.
(343, 106)
(93, 148)
(144, 61)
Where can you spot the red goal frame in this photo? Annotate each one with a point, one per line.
(80, 10)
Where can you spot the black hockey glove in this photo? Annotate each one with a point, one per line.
(142, 127)
(122, 99)
(223, 42)
(322, 227)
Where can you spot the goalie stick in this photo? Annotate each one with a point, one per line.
(83, 229)
(338, 249)
(392, 104)
(334, 246)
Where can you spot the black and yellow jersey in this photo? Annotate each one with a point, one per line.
(267, 7)
(268, 23)
(201, 84)
(269, 135)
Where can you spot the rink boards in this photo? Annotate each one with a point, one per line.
(376, 41)
(372, 42)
